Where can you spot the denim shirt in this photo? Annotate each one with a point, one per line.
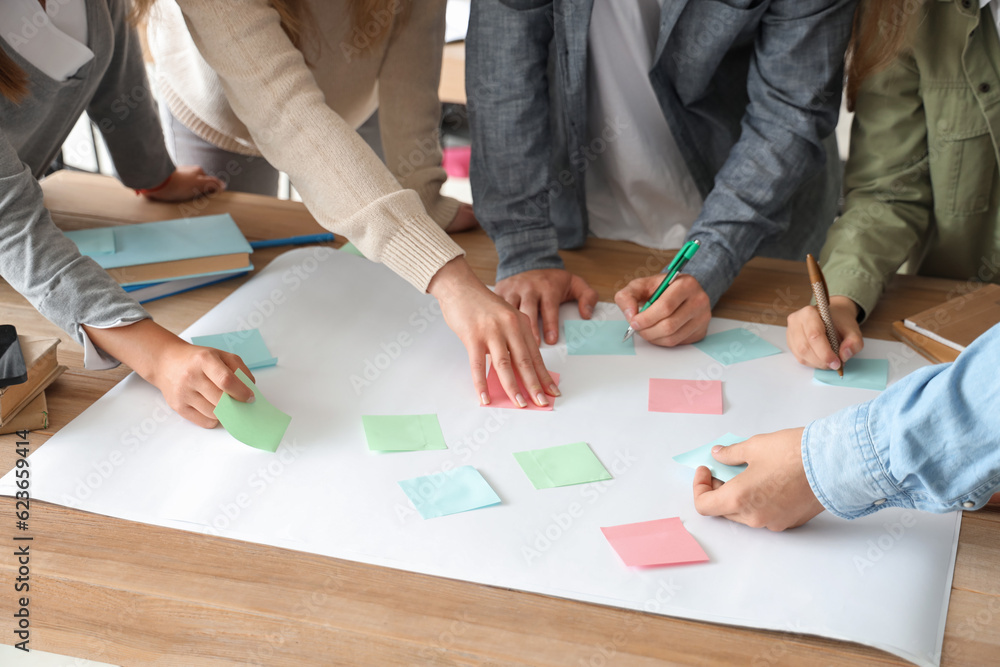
(751, 90)
(929, 442)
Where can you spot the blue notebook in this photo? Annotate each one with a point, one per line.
(165, 241)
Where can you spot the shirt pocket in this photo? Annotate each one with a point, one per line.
(962, 154)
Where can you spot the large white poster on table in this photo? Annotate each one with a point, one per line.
(351, 339)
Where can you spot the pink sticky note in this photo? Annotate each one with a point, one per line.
(660, 542)
(499, 398)
(700, 397)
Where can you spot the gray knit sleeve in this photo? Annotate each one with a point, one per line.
(123, 110)
(44, 266)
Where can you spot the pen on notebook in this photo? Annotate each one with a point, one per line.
(823, 305)
(680, 259)
(293, 240)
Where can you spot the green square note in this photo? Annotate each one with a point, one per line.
(858, 373)
(736, 345)
(562, 466)
(597, 337)
(403, 433)
(258, 424)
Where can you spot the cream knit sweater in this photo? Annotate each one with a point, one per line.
(230, 74)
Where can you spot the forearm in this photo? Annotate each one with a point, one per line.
(930, 442)
(791, 110)
(136, 345)
(507, 58)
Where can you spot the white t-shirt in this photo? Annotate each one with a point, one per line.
(639, 188)
(53, 39)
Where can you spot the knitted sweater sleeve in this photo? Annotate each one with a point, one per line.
(344, 185)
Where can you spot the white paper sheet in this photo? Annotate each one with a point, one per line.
(353, 339)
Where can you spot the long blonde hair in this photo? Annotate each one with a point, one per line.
(296, 20)
(880, 32)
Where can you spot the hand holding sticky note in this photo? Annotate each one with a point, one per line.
(702, 456)
(258, 424)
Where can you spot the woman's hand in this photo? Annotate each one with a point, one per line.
(487, 324)
(807, 334)
(186, 183)
(191, 378)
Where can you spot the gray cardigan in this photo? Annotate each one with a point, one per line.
(35, 257)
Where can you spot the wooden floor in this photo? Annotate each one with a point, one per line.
(135, 594)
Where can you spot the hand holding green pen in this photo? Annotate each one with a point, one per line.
(680, 259)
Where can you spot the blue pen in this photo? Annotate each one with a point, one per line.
(293, 240)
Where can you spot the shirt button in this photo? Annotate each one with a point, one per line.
(966, 3)
(879, 502)
(984, 87)
(968, 503)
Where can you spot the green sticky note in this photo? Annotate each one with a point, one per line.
(858, 373)
(736, 345)
(351, 249)
(258, 424)
(592, 337)
(562, 466)
(403, 433)
(94, 242)
(248, 344)
(702, 456)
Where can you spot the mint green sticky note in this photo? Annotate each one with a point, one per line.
(858, 373)
(248, 344)
(590, 337)
(258, 424)
(351, 249)
(702, 456)
(449, 492)
(403, 433)
(94, 242)
(736, 345)
(562, 466)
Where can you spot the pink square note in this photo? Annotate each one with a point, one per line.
(499, 398)
(660, 542)
(699, 397)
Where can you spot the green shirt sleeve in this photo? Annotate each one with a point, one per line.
(888, 207)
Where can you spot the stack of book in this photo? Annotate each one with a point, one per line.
(23, 406)
(942, 332)
(157, 259)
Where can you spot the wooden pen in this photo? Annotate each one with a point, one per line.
(823, 305)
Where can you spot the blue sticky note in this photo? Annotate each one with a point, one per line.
(589, 337)
(248, 344)
(736, 345)
(94, 242)
(858, 373)
(449, 492)
(702, 456)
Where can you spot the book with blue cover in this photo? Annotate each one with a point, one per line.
(167, 250)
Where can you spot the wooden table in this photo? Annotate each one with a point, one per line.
(129, 593)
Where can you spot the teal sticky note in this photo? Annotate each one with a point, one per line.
(858, 373)
(94, 242)
(562, 466)
(351, 249)
(702, 456)
(403, 433)
(248, 344)
(736, 345)
(258, 424)
(592, 337)
(449, 492)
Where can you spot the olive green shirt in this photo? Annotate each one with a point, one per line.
(921, 180)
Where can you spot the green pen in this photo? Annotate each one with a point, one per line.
(680, 259)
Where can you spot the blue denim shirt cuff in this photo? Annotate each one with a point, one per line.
(526, 250)
(706, 268)
(845, 468)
